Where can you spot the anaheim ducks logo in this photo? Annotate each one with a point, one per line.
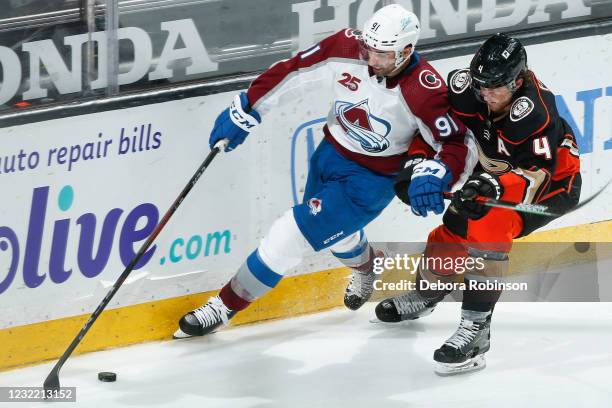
(521, 108)
(494, 166)
(460, 81)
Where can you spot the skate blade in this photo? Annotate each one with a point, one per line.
(425, 313)
(473, 364)
(376, 320)
(179, 334)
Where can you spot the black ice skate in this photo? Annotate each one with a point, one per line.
(464, 350)
(204, 319)
(359, 289)
(410, 306)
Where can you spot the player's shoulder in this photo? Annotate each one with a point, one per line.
(422, 85)
(460, 93)
(343, 44)
(531, 111)
(345, 36)
(349, 35)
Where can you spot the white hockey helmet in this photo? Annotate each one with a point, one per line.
(392, 28)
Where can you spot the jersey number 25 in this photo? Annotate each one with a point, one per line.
(349, 81)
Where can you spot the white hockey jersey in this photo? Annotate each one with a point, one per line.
(372, 121)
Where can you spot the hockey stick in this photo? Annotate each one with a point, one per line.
(52, 380)
(538, 209)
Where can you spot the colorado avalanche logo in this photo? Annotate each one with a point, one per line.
(315, 205)
(429, 80)
(352, 33)
(360, 125)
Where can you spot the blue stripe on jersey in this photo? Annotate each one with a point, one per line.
(261, 271)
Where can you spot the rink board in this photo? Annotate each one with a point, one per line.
(157, 320)
(86, 191)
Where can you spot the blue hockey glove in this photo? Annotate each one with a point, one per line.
(430, 179)
(235, 123)
(403, 178)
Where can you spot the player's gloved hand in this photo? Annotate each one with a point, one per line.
(429, 180)
(235, 123)
(402, 180)
(479, 184)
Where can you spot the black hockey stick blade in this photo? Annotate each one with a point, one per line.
(538, 209)
(52, 381)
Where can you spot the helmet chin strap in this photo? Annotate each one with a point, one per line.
(512, 86)
(400, 63)
(399, 58)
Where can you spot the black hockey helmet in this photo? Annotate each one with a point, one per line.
(498, 62)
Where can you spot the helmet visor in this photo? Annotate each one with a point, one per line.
(374, 56)
(490, 83)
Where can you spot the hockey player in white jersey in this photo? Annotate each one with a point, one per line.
(385, 95)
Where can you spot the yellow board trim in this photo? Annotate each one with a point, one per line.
(157, 320)
(596, 232)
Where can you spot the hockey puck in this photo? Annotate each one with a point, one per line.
(582, 247)
(107, 376)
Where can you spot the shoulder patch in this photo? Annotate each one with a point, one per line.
(521, 108)
(352, 33)
(429, 79)
(460, 81)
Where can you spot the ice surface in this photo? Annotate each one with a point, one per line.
(542, 355)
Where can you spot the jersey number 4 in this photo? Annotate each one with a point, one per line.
(541, 147)
(349, 81)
